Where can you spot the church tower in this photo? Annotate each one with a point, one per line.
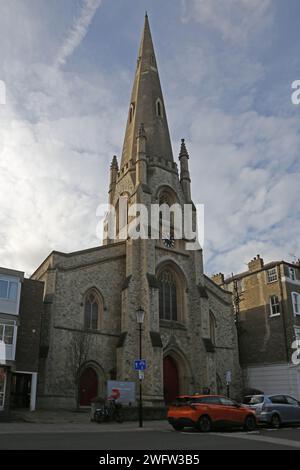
(162, 277)
(92, 296)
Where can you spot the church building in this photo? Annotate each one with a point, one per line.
(92, 296)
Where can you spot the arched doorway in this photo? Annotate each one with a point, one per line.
(88, 386)
(171, 379)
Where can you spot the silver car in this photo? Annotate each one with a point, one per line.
(274, 410)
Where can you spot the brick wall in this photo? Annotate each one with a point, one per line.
(28, 340)
(263, 338)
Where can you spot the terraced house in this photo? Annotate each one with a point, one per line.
(21, 307)
(268, 316)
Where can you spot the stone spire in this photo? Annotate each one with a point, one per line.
(185, 178)
(114, 168)
(147, 106)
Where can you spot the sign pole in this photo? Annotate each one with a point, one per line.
(141, 384)
(140, 315)
(228, 382)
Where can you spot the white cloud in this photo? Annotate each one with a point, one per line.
(58, 132)
(245, 164)
(60, 129)
(235, 20)
(78, 30)
(54, 166)
(246, 171)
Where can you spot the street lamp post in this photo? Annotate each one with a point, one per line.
(140, 315)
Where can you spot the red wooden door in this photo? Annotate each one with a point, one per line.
(88, 386)
(171, 379)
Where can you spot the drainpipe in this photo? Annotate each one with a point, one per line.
(283, 318)
(33, 391)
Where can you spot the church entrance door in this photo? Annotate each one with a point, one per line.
(171, 379)
(88, 387)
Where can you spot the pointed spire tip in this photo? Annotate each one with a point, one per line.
(114, 162)
(183, 150)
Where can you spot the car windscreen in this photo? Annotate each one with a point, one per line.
(182, 401)
(209, 400)
(253, 400)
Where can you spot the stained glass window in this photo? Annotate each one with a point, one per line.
(167, 296)
(91, 312)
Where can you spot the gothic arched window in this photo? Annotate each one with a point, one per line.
(167, 203)
(122, 216)
(167, 296)
(91, 312)
(131, 112)
(165, 198)
(159, 108)
(212, 328)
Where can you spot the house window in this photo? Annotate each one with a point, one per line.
(4, 289)
(274, 306)
(91, 312)
(8, 290)
(292, 274)
(297, 334)
(296, 303)
(167, 296)
(272, 275)
(7, 329)
(2, 386)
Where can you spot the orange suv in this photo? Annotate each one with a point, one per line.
(205, 412)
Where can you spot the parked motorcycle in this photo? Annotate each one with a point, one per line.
(111, 411)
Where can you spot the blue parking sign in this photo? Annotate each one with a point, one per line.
(140, 364)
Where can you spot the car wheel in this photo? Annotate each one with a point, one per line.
(250, 423)
(204, 424)
(275, 421)
(177, 426)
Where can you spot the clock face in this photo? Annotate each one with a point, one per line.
(169, 242)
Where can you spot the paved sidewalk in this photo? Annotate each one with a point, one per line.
(55, 417)
(25, 420)
(51, 417)
(88, 427)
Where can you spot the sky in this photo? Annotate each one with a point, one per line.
(226, 68)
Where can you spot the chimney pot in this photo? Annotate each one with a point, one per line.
(256, 264)
(218, 279)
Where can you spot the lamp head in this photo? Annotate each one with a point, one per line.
(140, 315)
